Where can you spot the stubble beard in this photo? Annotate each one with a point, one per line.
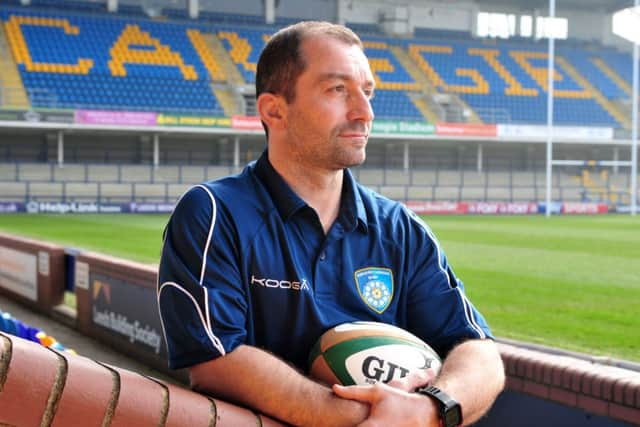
(330, 151)
(344, 153)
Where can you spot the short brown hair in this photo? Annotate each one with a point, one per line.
(281, 61)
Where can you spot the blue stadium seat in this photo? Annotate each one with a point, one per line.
(505, 82)
(125, 61)
(161, 70)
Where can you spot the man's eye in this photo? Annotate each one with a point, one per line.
(339, 88)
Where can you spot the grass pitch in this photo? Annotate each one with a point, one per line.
(568, 282)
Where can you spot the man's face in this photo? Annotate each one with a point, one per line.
(329, 121)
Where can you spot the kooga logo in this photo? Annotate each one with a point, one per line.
(282, 284)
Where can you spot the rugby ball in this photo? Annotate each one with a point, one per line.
(359, 353)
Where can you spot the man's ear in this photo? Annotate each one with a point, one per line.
(272, 110)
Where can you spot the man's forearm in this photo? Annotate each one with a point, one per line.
(259, 380)
(472, 374)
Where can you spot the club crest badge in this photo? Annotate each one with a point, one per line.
(375, 286)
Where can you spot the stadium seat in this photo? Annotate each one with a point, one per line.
(103, 173)
(423, 177)
(447, 193)
(395, 192)
(81, 192)
(371, 176)
(35, 172)
(215, 172)
(397, 177)
(174, 191)
(135, 173)
(420, 192)
(525, 194)
(13, 191)
(115, 193)
(92, 61)
(70, 173)
(9, 172)
(192, 174)
(473, 193)
(71, 59)
(150, 192)
(506, 83)
(45, 191)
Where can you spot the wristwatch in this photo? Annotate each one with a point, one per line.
(450, 411)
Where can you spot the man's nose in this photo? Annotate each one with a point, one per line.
(360, 108)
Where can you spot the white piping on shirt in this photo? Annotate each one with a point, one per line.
(468, 312)
(214, 340)
(206, 323)
(206, 247)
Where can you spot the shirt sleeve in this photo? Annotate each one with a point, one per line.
(200, 295)
(439, 311)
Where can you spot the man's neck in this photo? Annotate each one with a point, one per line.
(319, 188)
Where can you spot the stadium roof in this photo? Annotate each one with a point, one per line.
(607, 5)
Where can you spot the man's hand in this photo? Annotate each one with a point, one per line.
(472, 365)
(254, 378)
(395, 403)
(391, 406)
(413, 380)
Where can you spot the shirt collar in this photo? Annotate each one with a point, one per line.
(286, 201)
(352, 211)
(351, 203)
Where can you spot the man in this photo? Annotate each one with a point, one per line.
(255, 267)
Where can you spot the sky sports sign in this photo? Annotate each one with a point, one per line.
(504, 208)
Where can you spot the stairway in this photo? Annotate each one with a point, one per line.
(471, 116)
(220, 53)
(224, 74)
(12, 92)
(201, 44)
(622, 84)
(597, 95)
(420, 99)
(227, 99)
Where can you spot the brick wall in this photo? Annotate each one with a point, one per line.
(596, 388)
(42, 387)
(39, 386)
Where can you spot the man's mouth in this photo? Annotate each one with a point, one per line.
(353, 135)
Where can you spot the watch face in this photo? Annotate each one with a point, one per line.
(452, 417)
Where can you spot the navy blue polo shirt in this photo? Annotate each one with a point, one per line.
(246, 261)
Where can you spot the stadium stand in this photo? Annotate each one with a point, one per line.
(508, 83)
(85, 58)
(123, 183)
(81, 60)
(93, 61)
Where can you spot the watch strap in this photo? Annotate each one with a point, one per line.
(448, 409)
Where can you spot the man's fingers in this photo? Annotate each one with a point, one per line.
(413, 380)
(362, 393)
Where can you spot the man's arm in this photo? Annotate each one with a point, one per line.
(259, 380)
(472, 374)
